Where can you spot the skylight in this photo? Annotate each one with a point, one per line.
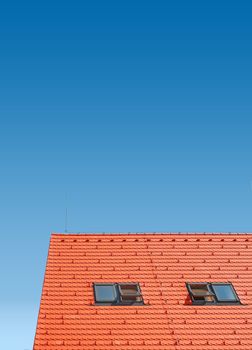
(224, 292)
(105, 293)
(117, 293)
(212, 293)
(130, 292)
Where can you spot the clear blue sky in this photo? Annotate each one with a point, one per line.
(139, 110)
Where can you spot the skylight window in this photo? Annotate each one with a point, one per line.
(225, 292)
(105, 293)
(212, 293)
(117, 293)
(130, 292)
(200, 292)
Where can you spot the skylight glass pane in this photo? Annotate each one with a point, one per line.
(224, 292)
(105, 293)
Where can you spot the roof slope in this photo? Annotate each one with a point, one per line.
(161, 263)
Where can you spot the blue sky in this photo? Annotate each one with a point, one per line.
(139, 110)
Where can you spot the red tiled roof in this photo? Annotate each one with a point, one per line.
(161, 263)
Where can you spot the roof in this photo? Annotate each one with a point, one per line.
(162, 264)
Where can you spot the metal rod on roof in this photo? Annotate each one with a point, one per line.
(66, 216)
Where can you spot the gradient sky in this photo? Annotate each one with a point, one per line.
(139, 110)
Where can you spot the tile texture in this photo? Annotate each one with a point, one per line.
(161, 263)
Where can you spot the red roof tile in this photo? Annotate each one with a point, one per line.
(161, 263)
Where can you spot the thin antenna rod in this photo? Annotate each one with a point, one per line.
(66, 216)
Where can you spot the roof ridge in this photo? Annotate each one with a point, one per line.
(147, 233)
